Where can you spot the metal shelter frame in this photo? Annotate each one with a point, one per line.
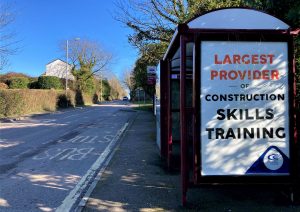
(190, 154)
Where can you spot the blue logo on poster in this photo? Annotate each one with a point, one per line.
(272, 161)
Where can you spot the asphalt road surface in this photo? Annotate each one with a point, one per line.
(48, 161)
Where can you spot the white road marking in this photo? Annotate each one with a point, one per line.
(91, 141)
(81, 154)
(77, 114)
(67, 153)
(59, 153)
(74, 195)
(88, 139)
(28, 150)
(50, 120)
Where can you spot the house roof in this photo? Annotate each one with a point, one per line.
(56, 60)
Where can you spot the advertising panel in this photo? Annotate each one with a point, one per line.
(244, 108)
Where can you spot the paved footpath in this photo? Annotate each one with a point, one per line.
(136, 180)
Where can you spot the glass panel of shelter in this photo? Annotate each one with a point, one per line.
(175, 109)
(189, 101)
(175, 101)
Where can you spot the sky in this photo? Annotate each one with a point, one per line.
(41, 25)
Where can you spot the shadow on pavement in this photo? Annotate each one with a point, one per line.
(136, 180)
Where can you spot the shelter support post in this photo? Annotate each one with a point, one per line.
(169, 115)
(164, 108)
(183, 130)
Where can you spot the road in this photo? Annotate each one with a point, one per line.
(47, 161)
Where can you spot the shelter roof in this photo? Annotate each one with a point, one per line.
(237, 18)
(231, 19)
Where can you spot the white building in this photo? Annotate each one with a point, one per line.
(58, 68)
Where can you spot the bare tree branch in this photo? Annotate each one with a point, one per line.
(117, 91)
(8, 44)
(153, 21)
(159, 9)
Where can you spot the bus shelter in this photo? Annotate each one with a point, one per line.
(227, 97)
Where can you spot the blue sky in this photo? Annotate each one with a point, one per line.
(42, 24)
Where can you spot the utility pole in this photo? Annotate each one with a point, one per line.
(67, 66)
(101, 93)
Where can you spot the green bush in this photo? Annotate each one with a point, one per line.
(18, 83)
(34, 85)
(48, 82)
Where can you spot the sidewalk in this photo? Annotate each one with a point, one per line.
(136, 180)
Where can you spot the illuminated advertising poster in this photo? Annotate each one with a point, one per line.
(244, 108)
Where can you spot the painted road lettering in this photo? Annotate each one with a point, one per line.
(65, 154)
(88, 139)
(73, 153)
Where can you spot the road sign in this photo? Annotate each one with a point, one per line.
(151, 70)
(151, 80)
(151, 75)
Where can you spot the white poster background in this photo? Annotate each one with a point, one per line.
(235, 156)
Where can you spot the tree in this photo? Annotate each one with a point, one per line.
(116, 89)
(129, 82)
(286, 10)
(106, 89)
(84, 79)
(140, 74)
(7, 35)
(153, 22)
(87, 58)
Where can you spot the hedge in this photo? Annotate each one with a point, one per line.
(3, 85)
(24, 101)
